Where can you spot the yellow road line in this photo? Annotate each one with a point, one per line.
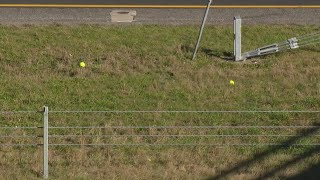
(153, 6)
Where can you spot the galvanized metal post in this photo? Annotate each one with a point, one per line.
(201, 29)
(237, 39)
(45, 142)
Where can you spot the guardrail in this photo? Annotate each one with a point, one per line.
(160, 128)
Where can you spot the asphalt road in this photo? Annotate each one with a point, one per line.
(63, 11)
(165, 2)
(301, 16)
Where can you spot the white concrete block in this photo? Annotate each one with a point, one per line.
(123, 15)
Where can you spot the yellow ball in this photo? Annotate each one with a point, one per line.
(82, 64)
(231, 82)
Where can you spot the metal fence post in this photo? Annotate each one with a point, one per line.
(237, 39)
(201, 29)
(45, 142)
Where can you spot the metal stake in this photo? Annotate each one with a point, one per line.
(201, 29)
(45, 143)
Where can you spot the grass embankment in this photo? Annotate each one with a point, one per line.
(149, 68)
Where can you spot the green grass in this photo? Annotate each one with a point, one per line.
(140, 67)
(149, 68)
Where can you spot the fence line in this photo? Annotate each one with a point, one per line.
(21, 127)
(181, 127)
(176, 144)
(16, 145)
(188, 145)
(166, 111)
(178, 135)
(24, 136)
(186, 111)
(203, 135)
(19, 112)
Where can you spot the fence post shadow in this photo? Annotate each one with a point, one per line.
(313, 171)
(225, 55)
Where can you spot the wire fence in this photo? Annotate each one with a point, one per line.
(144, 130)
(292, 128)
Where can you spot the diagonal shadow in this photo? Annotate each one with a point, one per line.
(312, 173)
(305, 155)
(260, 156)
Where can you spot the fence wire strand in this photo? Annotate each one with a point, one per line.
(13, 136)
(20, 112)
(181, 127)
(22, 145)
(186, 111)
(20, 127)
(60, 137)
(176, 135)
(186, 144)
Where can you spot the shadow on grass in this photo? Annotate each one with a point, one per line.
(310, 173)
(220, 54)
(224, 55)
(187, 49)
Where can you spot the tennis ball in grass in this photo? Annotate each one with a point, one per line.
(231, 82)
(82, 64)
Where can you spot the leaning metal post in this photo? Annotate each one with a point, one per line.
(201, 29)
(45, 142)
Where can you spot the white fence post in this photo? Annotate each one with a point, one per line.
(45, 142)
(237, 39)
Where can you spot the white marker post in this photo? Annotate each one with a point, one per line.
(45, 143)
(237, 39)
